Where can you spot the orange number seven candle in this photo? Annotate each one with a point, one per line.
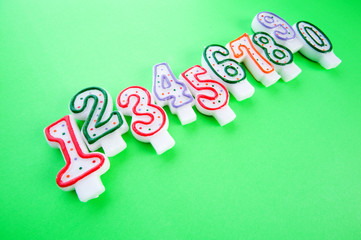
(243, 50)
(82, 169)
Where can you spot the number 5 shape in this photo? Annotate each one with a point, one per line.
(211, 96)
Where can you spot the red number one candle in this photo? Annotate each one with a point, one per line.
(82, 169)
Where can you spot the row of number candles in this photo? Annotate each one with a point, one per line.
(267, 54)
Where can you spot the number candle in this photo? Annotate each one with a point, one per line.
(168, 90)
(82, 169)
(243, 50)
(280, 56)
(149, 121)
(218, 63)
(211, 96)
(316, 45)
(278, 28)
(103, 127)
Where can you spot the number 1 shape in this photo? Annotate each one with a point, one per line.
(168, 90)
(218, 63)
(243, 50)
(211, 96)
(82, 169)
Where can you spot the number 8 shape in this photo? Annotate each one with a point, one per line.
(218, 63)
(103, 127)
(280, 56)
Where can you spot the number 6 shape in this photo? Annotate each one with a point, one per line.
(218, 63)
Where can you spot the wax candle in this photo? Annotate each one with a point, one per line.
(316, 45)
(278, 28)
(82, 169)
(103, 127)
(168, 90)
(218, 63)
(149, 121)
(211, 96)
(280, 56)
(243, 50)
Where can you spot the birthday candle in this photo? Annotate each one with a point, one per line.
(149, 121)
(316, 45)
(82, 169)
(103, 127)
(243, 50)
(280, 56)
(278, 28)
(218, 63)
(211, 96)
(168, 90)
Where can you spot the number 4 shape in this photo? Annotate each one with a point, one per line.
(168, 90)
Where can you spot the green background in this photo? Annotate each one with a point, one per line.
(288, 167)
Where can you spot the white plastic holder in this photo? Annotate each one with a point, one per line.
(162, 141)
(327, 60)
(185, 113)
(288, 72)
(224, 115)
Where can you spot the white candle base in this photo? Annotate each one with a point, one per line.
(89, 187)
(113, 143)
(294, 45)
(224, 115)
(288, 72)
(269, 79)
(329, 60)
(186, 114)
(162, 142)
(240, 90)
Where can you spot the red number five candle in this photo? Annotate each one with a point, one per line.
(211, 96)
(149, 121)
(82, 169)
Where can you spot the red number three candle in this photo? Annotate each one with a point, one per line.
(82, 169)
(149, 121)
